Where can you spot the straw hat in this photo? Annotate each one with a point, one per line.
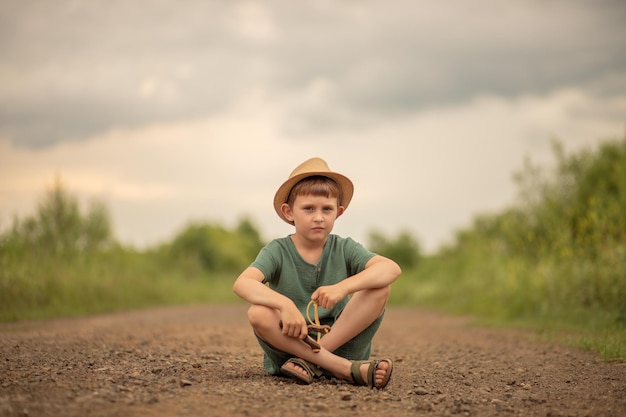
(309, 168)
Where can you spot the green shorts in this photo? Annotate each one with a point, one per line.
(358, 348)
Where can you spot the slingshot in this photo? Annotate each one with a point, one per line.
(313, 326)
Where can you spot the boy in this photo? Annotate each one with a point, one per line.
(349, 284)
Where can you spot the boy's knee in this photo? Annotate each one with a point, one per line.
(259, 315)
(376, 298)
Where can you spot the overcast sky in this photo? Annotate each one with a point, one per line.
(177, 111)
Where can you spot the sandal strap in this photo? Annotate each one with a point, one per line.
(371, 373)
(316, 370)
(355, 372)
(312, 369)
(357, 379)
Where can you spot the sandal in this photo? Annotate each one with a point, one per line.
(357, 379)
(311, 369)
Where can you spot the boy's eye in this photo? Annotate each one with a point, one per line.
(327, 209)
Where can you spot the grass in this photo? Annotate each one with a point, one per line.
(444, 288)
(128, 280)
(103, 283)
(606, 339)
(65, 301)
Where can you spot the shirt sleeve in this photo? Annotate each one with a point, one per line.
(357, 256)
(267, 261)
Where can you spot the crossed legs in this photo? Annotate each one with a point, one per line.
(362, 310)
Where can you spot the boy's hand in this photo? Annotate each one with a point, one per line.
(328, 296)
(293, 324)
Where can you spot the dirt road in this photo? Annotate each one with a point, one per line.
(204, 361)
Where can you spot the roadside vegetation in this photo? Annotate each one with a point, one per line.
(555, 261)
(64, 261)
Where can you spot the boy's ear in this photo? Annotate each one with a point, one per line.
(340, 210)
(286, 210)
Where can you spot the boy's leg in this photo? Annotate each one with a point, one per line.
(264, 321)
(361, 311)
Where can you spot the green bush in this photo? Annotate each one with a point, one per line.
(58, 228)
(556, 258)
(64, 261)
(404, 248)
(206, 247)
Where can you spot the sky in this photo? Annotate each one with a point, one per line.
(173, 112)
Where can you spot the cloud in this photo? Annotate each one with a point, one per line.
(76, 69)
(170, 112)
(427, 172)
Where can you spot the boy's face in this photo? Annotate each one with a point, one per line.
(313, 216)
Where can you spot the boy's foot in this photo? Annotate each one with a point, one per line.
(375, 374)
(301, 370)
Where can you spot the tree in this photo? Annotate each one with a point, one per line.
(59, 228)
(215, 248)
(404, 249)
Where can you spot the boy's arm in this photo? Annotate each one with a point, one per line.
(379, 272)
(249, 286)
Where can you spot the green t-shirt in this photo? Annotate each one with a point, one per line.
(287, 273)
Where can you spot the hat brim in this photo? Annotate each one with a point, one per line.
(345, 185)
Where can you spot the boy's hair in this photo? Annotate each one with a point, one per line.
(320, 181)
(316, 185)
